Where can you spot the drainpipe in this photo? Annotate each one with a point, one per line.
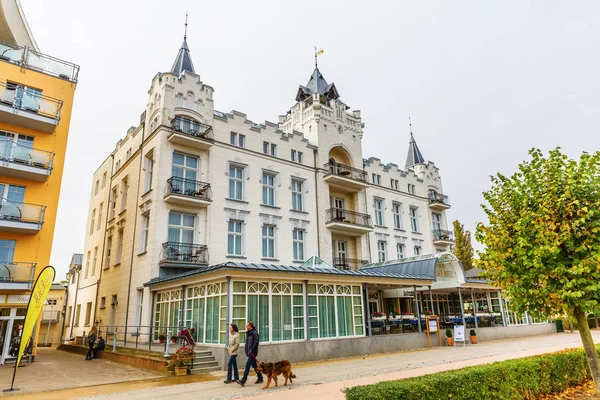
(182, 308)
(150, 330)
(229, 304)
(74, 303)
(65, 308)
(110, 182)
(317, 202)
(368, 310)
(306, 318)
(418, 309)
(462, 310)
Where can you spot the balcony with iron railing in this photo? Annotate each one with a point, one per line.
(348, 222)
(13, 274)
(348, 264)
(190, 133)
(183, 255)
(21, 161)
(345, 177)
(31, 59)
(21, 217)
(443, 237)
(26, 107)
(188, 192)
(438, 201)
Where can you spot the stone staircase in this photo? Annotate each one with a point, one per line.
(204, 362)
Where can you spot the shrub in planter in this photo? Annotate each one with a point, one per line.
(174, 339)
(473, 335)
(162, 337)
(182, 358)
(449, 337)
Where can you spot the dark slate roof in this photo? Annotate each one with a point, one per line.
(183, 62)
(414, 154)
(476, 280)
(287, 269)
(77, 259)
(418, 267)
(317, 84)
(473, 273)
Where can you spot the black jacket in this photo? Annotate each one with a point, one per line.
(251, 344)
(100, 345)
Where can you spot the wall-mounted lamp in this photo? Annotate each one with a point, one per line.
(114, 304)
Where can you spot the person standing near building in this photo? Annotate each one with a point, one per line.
(234, 345)
(251, 350)
(91, 341)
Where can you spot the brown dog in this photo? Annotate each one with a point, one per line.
(272, 370)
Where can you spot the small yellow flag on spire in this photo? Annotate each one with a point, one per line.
(320, 52)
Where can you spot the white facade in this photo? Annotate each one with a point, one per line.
(192, 186)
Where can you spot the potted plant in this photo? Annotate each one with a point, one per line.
(193, 333)
(377, 315)
(473, 335)
(162, 337)
(449, 338)
(174, 339)
(182, 358)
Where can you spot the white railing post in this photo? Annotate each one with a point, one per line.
(115, 340)
(167, 339)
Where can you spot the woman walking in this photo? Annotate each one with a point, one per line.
(234, 345)
(91, 341)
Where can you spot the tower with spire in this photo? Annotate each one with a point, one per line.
(414, 156)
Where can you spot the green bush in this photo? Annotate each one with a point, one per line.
(525, 378)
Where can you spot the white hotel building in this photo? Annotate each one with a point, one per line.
(192, 187)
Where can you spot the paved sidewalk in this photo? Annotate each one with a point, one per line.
(324, 380)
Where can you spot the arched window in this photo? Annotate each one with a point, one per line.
(179, 100)
(190, 100)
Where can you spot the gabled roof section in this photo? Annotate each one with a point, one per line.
(317, 84)
(77, 259)
(315, 262)
(183, 62)
(414, 156)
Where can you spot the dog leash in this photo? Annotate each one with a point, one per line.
(252, 354)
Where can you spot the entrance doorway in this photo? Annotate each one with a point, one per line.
(340, 254)
(11, 328)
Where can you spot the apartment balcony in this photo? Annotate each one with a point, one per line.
(28, 58)
(443, 237)
(28, 108)
(189, 133)
(438, 202)
(21, 217)
(187, 192)
(345, 177)
(183, 255)
(17, 275)
(348, 264)
(348, 222)
(23, 162)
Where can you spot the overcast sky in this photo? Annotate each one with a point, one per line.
(482, 81)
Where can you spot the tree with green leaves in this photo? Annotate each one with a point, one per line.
(463, 248)
(542, 239)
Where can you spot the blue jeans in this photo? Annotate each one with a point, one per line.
(250, 362)
(232, 365)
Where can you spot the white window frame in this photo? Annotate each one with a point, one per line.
(297, 188)
(236, 196)
(120, 234)
(267, 188)
(145, 232)
(436, 221)
(397, 212)
(299, 244)
(382, 250)
(233, 233)
(379, 208)
(93, 222)
(418, 250)
(400, 250)
(414, 219)
(149, 170)
(100, 215)
(271, 241)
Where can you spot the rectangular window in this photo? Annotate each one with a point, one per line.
(103, 302)
(414, 220)
(87, 264)
(378, 205)
(394, 184)
(118, 166)
(113, 199)
(68, 319)
(145, 228)
(100, 216)
(293, 157)
(381, 250)
(376, 179)
(418, 250)
(181, 228)
(300, 158)
(436, 221)
(94, 261)
(108, 250)
(88, 313)
(149, 171)
(397, 211)
(273, 150)
(119, 246)
(124, 189)
(7, 250)
(334, 310)
(97, 188)
(298, 237)
(242, 141)
(234, 238)
(233, 138)
(411, 188)
(103, 180)
(400, 250)
(268, 241)
(237, 139)
(236, 182)
(268, 182)
(269, 149)
(93, 223)
(77, 314)
(128, 154)
(297, 198)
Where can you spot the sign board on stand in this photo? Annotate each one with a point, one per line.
(459, 334)
(432, 322)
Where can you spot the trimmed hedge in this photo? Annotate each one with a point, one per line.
(524, 378)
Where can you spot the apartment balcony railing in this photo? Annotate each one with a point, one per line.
(31, 59)
(192, 128)
(17, 271)
(348, 217)
(184, 253)
(21, 217)
(31, 102)
(437, 200)
(346, 171)
(188, 187)
(348, 263)
(17, 153)
(441, 235)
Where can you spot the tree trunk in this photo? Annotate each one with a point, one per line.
(589, 347)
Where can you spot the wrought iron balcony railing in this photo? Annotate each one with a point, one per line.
(184, 252)
(29, 58)
(441, 234)
(17, 271)
(438, 198)
(26, 99)
(346, 171)
(21, 212)
(17, 153)
(348, 217)
(348, 263)
(192, 128)
(189, 187)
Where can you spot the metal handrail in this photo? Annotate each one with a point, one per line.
(20, 98)
(346, 171)
(441, 234)
(11, 271)
(184, 252)
(347, 263)
(438, 198)
(14, 152)
(192, 128)
(189, 187)
(348, 217)
(21, 212)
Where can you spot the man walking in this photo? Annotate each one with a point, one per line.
(251, 350)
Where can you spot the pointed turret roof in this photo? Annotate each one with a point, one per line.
(317, 84)
(183, 62)
(414, 154)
